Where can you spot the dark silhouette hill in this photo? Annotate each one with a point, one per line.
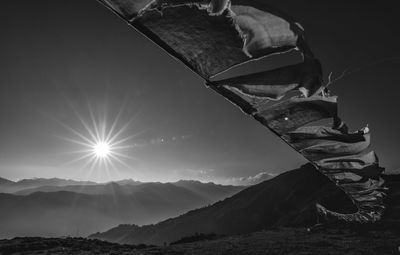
(80, 210)
(286, 200)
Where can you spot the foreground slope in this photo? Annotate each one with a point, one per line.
(336, 241)
(288, 199)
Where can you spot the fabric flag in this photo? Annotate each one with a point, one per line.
(212, 36)
(274, 84)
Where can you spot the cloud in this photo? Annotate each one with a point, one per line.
(250, 180)
(210, 175)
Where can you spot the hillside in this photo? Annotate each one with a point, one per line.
(81, 210)
(286, 200)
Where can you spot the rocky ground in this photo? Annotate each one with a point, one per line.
(279, 241)
(39, 245)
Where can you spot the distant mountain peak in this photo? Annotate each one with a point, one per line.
(128, 181)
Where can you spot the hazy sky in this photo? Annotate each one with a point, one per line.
(58, 59)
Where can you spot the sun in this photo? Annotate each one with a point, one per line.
(104, 142)
(102, 149)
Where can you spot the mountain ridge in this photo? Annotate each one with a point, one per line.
(26, 186)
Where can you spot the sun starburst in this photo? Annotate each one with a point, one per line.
(103, 144)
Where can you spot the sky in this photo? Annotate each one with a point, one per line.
(60, 61)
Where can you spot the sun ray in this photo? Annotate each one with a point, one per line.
(78, 159)
(115, 122)
(120, 131)
(121, 155)
(76, 133)
(127, 138)
(94, 123)
(76, 141)
(120, 161)
(87, 151)
(124, 127)
(90, 161)
(81, 119)
(109, 161)
(125, 147)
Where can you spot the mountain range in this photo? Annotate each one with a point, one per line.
(7, 186)
(57, 207)
(286, 200)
